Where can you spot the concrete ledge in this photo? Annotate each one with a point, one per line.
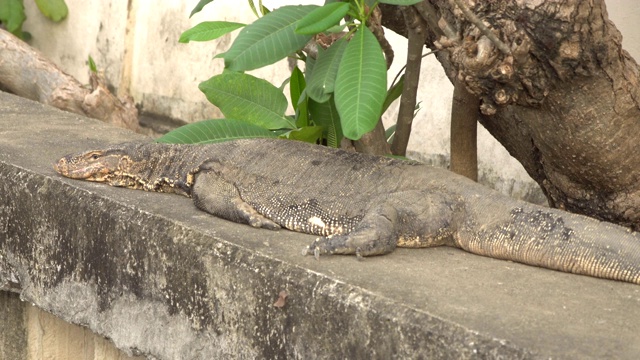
(162, 279)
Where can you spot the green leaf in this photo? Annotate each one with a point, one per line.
(209, 30)
(12, 15)
(326, 115)
(297, 84)
(400, 2)
(252, 5)
(393, 93)
(244, 97)
(92, 65)
(371, 3)
(302, 113)
(55, 10)
(263, 9)
(322, 83)
(310, 134)
(361, 84)
(309, 65)
(322, 18)
(284, 84)
(336, 29)
(390, 133)
(212, 131)
(199, 7)
(298, 94)
(268, 39)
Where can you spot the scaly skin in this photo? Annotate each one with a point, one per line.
(361, 204)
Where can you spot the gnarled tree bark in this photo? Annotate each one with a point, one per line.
(564, 100)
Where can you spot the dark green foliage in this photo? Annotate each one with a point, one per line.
(342, 94)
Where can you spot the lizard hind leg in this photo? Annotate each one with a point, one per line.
(215, 195)
(375, 235)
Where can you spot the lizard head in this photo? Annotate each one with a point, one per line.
(96, 165)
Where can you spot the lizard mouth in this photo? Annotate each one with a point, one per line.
(90, 172)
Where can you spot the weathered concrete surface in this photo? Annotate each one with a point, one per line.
(13, 334)
(159, 277)
(28, 333)
(49, 337)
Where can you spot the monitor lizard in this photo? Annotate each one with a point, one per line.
(362, 204)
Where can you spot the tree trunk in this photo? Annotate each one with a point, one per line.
(464, 133)
(562, 96)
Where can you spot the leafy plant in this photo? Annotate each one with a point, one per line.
(225, 129)
(12, 14)
(342, 92)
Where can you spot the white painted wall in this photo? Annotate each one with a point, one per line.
(163, 75)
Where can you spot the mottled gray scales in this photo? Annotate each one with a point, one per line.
(361, 204)
(309, 217)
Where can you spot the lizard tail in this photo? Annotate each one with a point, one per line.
(557, 240)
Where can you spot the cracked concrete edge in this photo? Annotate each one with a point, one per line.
(159, 288)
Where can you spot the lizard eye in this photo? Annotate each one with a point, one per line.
(94, 157)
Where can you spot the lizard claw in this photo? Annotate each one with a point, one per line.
(314, 249)
(260, 221)
(308, 250)
(359, 245)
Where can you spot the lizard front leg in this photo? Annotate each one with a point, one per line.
(374, 235)
(217, 196)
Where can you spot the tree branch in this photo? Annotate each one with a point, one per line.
(417, 37)
(375, 25)
(481, 26)
(25, 72)
(429, 15)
